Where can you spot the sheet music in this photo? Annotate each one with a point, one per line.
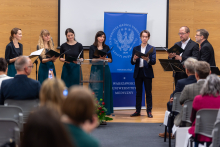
(36, 53)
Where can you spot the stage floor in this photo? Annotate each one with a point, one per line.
(124, 116)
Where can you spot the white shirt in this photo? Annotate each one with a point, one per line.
(184, 45)
(4, 77)
(143, 49)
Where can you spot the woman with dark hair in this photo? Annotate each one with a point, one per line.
(97, 71)
(46, 62)
(13, 50)
(74, 49)
(79, 115)
(209, 99)
(44, 129)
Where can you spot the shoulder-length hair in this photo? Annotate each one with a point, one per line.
(69, 30)
(211, 86)
(98, 34)
(41, 42)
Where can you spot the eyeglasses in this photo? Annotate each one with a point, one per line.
(198, 35)
(181, 33)
(31, 66)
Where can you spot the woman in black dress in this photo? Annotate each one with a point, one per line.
(46, 62)
(97, 72)
(13, 50)
(72, 48)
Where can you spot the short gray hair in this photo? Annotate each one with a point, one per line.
(21, 62)
(211, 86)
(190, 64)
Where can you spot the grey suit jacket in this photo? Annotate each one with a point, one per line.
(189, 92)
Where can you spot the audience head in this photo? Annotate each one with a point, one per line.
(100, 37)
(16, 33)
(70, 34)
(201, 35)
(23, 65)
(202, 70)
(184, 33)
(79, 106)
(190, 66)
(3, 65)
(44, 129)
(51, 94)
(211, 86)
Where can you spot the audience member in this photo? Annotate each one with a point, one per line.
(44, 129)
(209, 99)
(202, 70)
(20, 87)
(3, 70)
(79, 116)
(52, 94)
(190, 71)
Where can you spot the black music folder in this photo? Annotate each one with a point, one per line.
(215, 70)
(175, 49)
(52, 53)
(101, 53)
(139, 54)
(70, 59)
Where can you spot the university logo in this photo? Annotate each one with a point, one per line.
(124, 37)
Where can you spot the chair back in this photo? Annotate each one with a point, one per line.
(187, 109)
(14, 113)
(9, 129)
(205, 120)
(216, 135)
(26, 105)
(176, 102)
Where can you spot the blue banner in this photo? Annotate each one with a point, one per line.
(123, 33)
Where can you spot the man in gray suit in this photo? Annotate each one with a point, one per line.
(202, 70)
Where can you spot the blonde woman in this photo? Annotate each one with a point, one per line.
(13, 50)
(52, 94)
(46, 62)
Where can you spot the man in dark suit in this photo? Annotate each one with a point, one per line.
(20, 87)
(190, 71)
(143, 72)
(206, 52)
(191, 49)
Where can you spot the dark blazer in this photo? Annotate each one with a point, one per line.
(207, 53)
(19, 88)
(12, 52)
(148, 70)
(191, 50)
(182, 83)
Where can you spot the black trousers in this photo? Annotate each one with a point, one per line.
(148, 88)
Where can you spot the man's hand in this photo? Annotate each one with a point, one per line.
(171, 99)
(178, 58)
(145, 58)
(135, 57)
(171, 55)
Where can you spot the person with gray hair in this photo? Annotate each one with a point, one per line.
(190, 71)
(206, 51)
(209, 99)
(20, 87)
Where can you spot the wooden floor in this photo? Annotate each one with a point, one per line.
(124, 116)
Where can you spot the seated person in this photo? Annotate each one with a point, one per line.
(209, 98)
(20, 87)
(202, 70)
(44, 129)
(52, 94)
(79, 116)
(3, 70)
(190, 71)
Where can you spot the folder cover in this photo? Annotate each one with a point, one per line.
(139, 54)
(52, 53)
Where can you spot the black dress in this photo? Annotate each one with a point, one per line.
(70, 72)
(97, 74)
(10, 53)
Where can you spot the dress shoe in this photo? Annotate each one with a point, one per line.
(163, 134)
(135, 114)
(149, 114)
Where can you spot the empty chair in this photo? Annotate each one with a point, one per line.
(26, 105)
(176, 104)
(187, 109)
(12, 112)
(9, 129)
(216, 135)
